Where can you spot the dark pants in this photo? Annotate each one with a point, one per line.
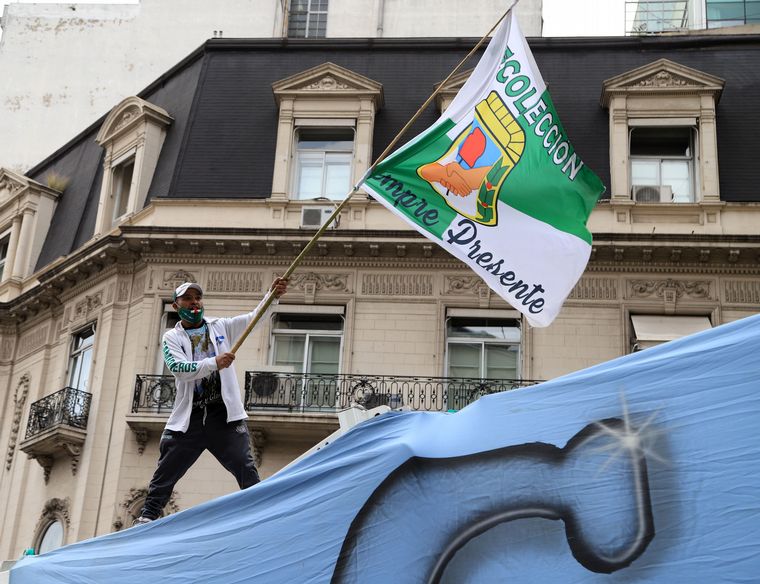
(229, 443)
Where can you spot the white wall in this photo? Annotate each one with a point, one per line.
(62, 66)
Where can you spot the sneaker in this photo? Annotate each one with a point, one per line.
(141, 521)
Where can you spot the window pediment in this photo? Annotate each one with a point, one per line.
(14, 187)
(659, 78)
(328, 80)
(126, 116)
(447, 94)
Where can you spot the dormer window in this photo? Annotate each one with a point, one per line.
(324, 136)
(132, 137)
(663, 136)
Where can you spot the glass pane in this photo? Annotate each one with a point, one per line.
(502, 329)
(325, 355)
(753, 12)
(501, 361)
(662, 142)
(464, 359)
(326, 139)
(338, 179)
(75, 368)
(309, 179)
(288, 351)
(309, 322)
(84, 373)
(726, 11)
(53, 538)
(645, 172)
(676, 174)
(122, 182)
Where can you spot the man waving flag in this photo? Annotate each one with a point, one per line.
(496, 182)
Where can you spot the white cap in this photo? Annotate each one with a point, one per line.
(182, 288)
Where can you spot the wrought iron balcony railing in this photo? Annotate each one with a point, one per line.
(314, 392)
(154, 394)
(317, 392)
(67, 407)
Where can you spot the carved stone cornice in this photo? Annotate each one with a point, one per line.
(325, 81)
(258, 440)
(132, 504)
(691, 289)
(395, 284)
(53, 510)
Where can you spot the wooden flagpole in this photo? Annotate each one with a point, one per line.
(299, 258)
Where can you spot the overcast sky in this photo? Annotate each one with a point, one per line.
(561, 17)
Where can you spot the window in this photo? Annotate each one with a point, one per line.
(662, 164)
(323, 163)
(81, 359)
(483, 348)
(132, 136)
(52, 538)
(121, 186)
(651, 330)
(4, 243)
(307, 19)
(309, 344)
(169, 319)
(732, 13)
(324, 138)
(663, 135)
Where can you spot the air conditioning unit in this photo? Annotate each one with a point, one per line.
(652, 193)
(315, 217)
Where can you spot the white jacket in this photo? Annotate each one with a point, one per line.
(178, 355)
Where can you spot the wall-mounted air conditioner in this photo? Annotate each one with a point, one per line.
(315, 217)
(652, 193)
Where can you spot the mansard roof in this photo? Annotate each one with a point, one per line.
(222, 140)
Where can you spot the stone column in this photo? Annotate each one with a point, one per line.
(24, 246)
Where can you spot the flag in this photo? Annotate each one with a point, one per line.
(496, 182)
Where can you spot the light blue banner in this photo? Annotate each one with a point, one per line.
(643, 469)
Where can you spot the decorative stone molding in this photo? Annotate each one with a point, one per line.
(85, 307)
(695, 290)
(397, 285)
(19, 399)
(320, 282)
(742, 291)
(595, 289)
(32, 340)
(237, 281)
(132, 505)
(462, 285)
(53, 510)
(173, 278)
(46, 461)
(663, 79)
(142, 435)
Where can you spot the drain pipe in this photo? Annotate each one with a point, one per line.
(380, 17)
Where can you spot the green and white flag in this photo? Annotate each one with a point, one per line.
(496, 182)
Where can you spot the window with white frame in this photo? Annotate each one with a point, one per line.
(483, 348)
(323, 162)
(5, 240)
(662, 164)
(307, 19)
(121, 186)
(80, 359)
(307, 342)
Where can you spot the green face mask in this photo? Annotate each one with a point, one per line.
(194, 317)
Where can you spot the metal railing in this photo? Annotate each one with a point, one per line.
(318, 392)
(154, 394)
(69, 407)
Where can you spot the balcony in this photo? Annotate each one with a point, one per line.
(288, 405)
(57, 425)
(294, 392)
